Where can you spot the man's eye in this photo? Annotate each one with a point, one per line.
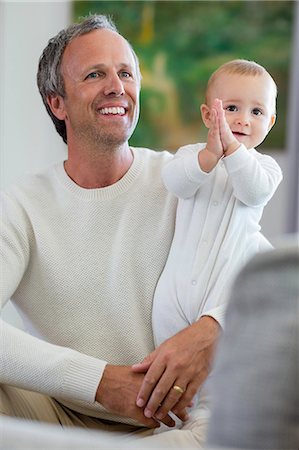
(93, 75)
(125, 74)
(257, 112)
(231, 108)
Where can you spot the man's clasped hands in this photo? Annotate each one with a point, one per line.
(166, 380)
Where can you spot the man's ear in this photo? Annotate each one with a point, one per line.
(56, 104)
(206, 115)
(272, 121)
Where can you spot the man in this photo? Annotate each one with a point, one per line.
(84, 245)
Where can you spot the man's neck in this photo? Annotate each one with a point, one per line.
(98, 169)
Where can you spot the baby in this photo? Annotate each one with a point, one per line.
(222, 187)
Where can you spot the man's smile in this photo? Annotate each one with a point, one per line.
(115, 110)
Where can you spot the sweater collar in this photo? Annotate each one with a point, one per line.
(107, 192)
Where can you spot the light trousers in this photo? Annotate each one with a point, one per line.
(34, 421)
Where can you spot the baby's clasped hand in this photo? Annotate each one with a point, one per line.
(229, 143)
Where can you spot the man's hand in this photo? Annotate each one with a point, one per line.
(117, 392)
(184, 360)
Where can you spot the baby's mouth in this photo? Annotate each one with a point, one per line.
(239, 134)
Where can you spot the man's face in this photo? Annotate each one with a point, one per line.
(101, 103)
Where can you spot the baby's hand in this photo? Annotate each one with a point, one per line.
(228, 140)
(209, 157)
(214, 144)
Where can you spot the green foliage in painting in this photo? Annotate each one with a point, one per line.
(180, 43)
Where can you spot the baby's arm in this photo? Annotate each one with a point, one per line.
(254, 176)
(182, 175)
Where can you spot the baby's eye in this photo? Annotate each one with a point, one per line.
(231, 108)
(257, 111)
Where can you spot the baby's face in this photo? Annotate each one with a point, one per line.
(249, 105)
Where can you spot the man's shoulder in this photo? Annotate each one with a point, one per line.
(192, 148)
(151, 160)
(166, 155)
(149, 153)
(32, 181)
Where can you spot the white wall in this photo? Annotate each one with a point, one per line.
(28, 141)
(274, 218)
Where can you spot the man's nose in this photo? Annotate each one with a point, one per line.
(114, 85)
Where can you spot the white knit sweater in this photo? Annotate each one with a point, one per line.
(81, 266)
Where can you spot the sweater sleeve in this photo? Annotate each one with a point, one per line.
(31, 363)
(254, 176)
(27, 361)
(183, 176)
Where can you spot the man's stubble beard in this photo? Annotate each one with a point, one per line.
(103, 140)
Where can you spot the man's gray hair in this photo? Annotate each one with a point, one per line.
(49, 77)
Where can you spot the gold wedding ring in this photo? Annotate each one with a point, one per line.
(178, 389)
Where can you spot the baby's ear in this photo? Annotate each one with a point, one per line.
(206, 115)
(272, 122)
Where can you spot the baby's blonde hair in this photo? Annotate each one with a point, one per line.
(241, 67)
